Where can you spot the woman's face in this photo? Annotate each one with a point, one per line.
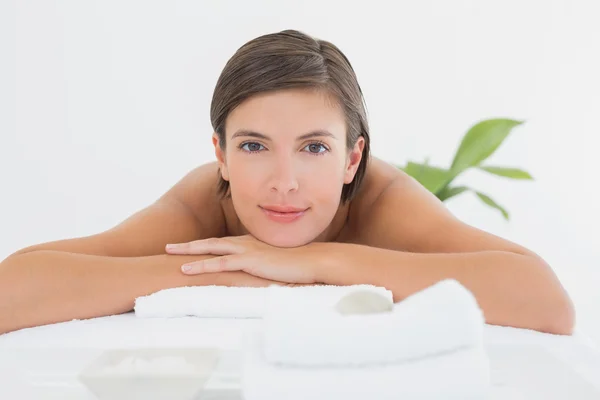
(286, 161)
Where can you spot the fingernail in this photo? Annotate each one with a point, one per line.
(186, 268)
(171, 246)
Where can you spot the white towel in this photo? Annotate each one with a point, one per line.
(459, 375)
(441, 318)
(237, 302)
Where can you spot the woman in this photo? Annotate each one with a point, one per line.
(293, 198)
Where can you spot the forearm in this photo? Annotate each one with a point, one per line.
(511, 289)
(44, 287)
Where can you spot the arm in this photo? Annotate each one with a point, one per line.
(511, 289)
(45, 287)
(102, 274)
(410, 241)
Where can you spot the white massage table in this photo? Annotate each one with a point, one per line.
(44, 362)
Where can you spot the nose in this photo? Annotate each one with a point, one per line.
(284, 177)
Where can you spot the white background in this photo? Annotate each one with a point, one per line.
(110, 101)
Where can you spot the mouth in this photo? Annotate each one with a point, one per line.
(283, 209)
(283, 213)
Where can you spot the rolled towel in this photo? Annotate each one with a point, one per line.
(441, 318)
(239, 302)
(458, 375)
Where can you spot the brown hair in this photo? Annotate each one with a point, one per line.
(285, 60)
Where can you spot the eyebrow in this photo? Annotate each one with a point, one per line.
(309, 135)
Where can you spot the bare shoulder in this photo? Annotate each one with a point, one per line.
(189, 210)
(394, 211)
(389, 194)
(197, 190)
(380, 175)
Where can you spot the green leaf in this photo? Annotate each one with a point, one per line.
(480, 142)
(513, 173)
(449, 192)
(432, 178)
(487, 200)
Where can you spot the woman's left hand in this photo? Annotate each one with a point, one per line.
(248, 254)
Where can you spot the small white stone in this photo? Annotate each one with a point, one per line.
(363, 302)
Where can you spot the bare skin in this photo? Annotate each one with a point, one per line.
(192, 210)
(395, 219)
(75, 278)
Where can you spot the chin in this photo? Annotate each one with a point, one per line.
(283, 239)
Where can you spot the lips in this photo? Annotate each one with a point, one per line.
(283, 214)
(283, 209)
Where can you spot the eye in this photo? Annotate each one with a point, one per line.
(252, 147)
(316, 148)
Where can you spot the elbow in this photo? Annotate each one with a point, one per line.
(557, 307)
(552, 308)
(11, 294)
(560, 317)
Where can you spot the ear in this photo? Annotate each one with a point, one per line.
(353, 161)
(220, 154)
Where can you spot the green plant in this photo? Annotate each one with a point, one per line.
(480, 142)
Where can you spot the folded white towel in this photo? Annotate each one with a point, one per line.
(441, 318)
(238, 302)
(460, 375)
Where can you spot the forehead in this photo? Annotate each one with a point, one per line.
(288, 112)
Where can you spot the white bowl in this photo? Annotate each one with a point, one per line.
(150, 374)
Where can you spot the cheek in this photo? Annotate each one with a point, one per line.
(325, 179)
(244, 176)
(323, 186)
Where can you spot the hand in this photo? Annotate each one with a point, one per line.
(248, 254)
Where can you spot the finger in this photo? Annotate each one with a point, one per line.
(216, 264)
(215, 246)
